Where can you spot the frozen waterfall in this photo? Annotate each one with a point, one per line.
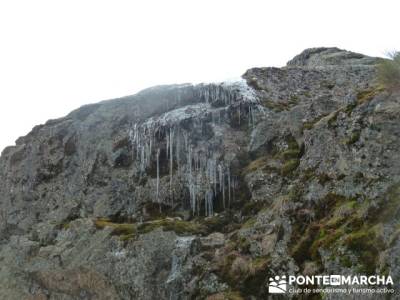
(204, 172)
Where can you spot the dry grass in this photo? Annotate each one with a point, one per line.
(389, 71)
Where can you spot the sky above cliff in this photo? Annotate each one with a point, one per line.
(58, 55)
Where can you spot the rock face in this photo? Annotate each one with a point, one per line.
(204, 191)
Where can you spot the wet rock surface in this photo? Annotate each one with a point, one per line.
(204, 191)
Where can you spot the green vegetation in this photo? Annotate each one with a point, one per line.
(276, 106)
(283, 162)
(282, 105)
(366, 246)
(168, 224)
(289, 166)
(295, 193)
(249, 223)
(363, 96)
(389, 71)
(219, 223)
(125, 231)
(332, 118)
(344, 227)
(290, 157)
(368, 95)
(301, 250)
(348, 227)
(244, 273)
(307, 175)
(65, 225)
(257, 164)
(308, 125)
(117, 228)
(252, 207)
(260, 163)
(291, 154)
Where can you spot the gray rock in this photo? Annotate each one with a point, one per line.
(91, 205)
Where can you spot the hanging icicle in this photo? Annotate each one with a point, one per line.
(178, 150)
(229, 186)
(158, 175)
(210, 198)
(221, 183)
(239, 115)
(171, 160)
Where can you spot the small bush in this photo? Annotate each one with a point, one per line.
(389, 71)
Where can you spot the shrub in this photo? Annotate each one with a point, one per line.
(389, 71)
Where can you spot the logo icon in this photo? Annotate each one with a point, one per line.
(335, 280)
(277, 285)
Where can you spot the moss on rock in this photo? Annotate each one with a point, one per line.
(117, 228)
(168, 224)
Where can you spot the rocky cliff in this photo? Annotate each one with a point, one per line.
(204, 191)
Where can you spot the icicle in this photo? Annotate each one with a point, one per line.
(239, 114)
(215, 176)
(190, 161)
(171, 159)
(142, 159)
(221, 183)
(253, 119)
(194, 198)
(137, 139)
(233, 188)
(249, 116)
(178, 150)
(146, 155)
(158, 175)
(208, 203)
(223, 191)
(229, 186)
(150, 148)
(185, 138)
(192, 192)
(167, 149)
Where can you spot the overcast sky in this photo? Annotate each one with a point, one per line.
(58, 55)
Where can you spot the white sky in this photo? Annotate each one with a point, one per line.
(58, 55)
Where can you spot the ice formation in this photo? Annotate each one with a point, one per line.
(195, 165)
